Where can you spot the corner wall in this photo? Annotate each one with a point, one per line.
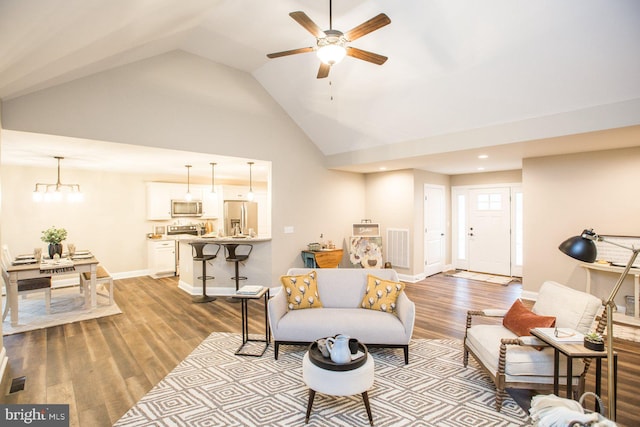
(566, 194)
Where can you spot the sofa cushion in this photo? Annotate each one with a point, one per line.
(573, 309)
(381, 294)
(301, 291)
(520, 320)
(484, 340)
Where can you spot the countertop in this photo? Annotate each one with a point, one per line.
(189, 239)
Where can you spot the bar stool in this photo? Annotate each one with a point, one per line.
(198, 248)
(236, 253)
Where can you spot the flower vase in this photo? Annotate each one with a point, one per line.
(55, 248)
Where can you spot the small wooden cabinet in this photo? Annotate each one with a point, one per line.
(322, 259)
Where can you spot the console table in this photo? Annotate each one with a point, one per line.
(329, 258)
(635, 272)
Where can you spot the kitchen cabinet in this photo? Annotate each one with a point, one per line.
(211, 202)
(161, 256)
(235, 192)
(158, 201)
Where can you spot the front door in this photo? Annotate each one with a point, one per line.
(489, 230)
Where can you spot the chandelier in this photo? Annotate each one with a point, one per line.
(56, 192)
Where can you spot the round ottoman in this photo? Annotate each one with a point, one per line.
(338, 383)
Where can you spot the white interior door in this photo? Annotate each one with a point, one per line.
(434, 229)
(490, 230)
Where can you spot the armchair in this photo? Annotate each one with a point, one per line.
(523, 361)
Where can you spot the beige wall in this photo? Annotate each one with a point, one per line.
(487, 178)
(564, 195)
(389, 202)
(185, 102)
(396, 200)
(111, 222)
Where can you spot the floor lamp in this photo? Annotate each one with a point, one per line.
(583, 248)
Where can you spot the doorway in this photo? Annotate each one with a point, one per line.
(487, 229)
(434, 229)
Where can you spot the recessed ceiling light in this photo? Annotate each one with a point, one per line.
(382, 168)
(483, 156)
(480, 169)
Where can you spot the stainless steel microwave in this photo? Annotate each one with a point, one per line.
(181, 208)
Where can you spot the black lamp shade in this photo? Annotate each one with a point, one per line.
(579, 248)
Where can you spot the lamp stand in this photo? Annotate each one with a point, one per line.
(611, 307)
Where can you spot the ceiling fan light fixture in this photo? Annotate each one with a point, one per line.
(331, 49)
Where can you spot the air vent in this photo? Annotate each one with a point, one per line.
(398, 247)
(17, 384)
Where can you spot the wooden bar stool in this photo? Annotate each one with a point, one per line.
(198, 248)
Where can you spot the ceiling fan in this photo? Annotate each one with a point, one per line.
(332, 44)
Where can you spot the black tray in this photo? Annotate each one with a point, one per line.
(320, 361)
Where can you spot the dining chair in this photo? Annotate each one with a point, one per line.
(25, 286)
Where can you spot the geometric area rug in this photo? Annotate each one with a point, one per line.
(213, 387)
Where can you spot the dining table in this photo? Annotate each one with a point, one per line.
(47, 268)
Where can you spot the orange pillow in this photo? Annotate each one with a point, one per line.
(520, 320)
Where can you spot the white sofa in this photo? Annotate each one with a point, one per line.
(341, 291)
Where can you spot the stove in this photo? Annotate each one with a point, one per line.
(173, 230)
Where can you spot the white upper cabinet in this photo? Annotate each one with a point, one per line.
(158, 201)
(235, 192)
(211, 202)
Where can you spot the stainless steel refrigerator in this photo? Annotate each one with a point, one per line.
(240, 214)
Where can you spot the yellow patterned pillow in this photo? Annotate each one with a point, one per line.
(301, 291)
(381, 294)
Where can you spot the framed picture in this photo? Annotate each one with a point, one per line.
(366, 251)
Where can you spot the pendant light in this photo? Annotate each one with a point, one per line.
(250, 195)
(54, 192)
(213, 179)
(188, 196)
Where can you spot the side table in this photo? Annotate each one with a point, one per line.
(244, 299)
(572, 350)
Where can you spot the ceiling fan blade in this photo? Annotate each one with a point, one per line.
(372, 24)
(302, 19)
(366, 56)
(323, 71)
(290, 52)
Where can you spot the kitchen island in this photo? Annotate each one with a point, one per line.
(257, 268)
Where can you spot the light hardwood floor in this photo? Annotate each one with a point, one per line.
(102, 367)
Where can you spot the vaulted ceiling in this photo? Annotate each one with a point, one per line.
(463, 77)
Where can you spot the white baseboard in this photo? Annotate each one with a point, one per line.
(212, 291)
(411, 279)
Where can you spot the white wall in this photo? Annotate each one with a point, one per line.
(185, 102)
(111, 221)
(564, 195)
